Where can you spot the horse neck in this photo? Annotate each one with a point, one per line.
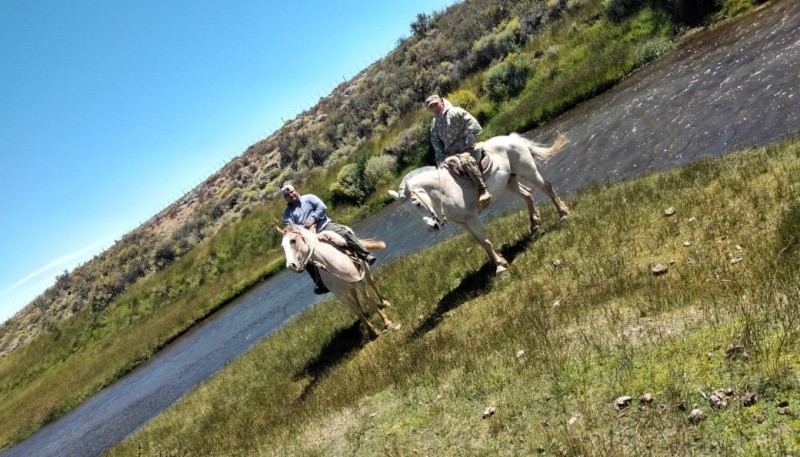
(436, 183)
(333, 260)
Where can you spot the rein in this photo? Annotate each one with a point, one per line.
(429, 209)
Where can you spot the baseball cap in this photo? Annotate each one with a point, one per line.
(432, 99)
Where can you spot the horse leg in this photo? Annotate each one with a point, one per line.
(548, 189)
(534, 218)
(387, 323)
(355, 306)
(474, 226)
(382, 302)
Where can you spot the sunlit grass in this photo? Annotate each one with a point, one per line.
(580, 322)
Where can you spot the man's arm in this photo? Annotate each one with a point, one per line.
(438, 146)
(319, 210)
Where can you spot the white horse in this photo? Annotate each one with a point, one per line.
(344, 275)
(438, 196)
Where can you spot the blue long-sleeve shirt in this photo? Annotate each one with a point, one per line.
(307, 207)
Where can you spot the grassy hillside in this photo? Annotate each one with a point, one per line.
(130, 302)
(706, 353)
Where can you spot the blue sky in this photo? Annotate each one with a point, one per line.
(111, 110)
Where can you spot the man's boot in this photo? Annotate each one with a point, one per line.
(319, 286)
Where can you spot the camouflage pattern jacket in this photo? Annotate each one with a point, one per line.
(454, 131)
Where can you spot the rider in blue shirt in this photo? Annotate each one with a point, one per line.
(310, 212)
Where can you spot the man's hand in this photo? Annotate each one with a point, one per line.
(310, 225)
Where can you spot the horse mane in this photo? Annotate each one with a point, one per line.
(411, 175)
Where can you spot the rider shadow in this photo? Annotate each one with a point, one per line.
(472, 285)
(339, 348)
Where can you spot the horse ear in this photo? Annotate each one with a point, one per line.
(280, 230)
(394, 195)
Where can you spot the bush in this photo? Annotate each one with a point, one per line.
(347, 187)
(412, 146)
(690, 12)
(378, 170)
(464, 98)
(507, 78)
(619, 10)
(651, 50)
(352, 185)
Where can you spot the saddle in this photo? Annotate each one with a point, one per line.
(455, 165)
(339, 243)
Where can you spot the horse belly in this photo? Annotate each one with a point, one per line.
(497, 182)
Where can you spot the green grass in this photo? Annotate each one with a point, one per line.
(579, 322)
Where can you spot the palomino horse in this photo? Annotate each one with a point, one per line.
(343, 275)
(438, 196)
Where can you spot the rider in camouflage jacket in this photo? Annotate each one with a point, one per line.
(454, 132)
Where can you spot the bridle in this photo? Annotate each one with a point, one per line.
(429, 208)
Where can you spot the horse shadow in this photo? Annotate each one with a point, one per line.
(341, 345)
(472, 285)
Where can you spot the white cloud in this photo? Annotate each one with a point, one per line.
(32, 285)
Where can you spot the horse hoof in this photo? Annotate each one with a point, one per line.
(501, 270)
(384, 304)
(392, 326)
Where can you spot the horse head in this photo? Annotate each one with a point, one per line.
(296, 247)
(421, 203)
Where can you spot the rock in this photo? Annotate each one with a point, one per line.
(697, 416)
(520, 353)
(623, 402)
(736, 260)
(669, 211)
(488, 411)
(556, 262)
(646, 399)
(720, 397)
(659, 269)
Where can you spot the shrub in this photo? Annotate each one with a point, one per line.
(619, 10)
(507, 78)
(352, 185)
(347, 187)
(378, 170)
(651, 50)
(412, 146)
(464, 98)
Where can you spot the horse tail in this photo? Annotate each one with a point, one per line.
(541, 152)
(373, 245)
